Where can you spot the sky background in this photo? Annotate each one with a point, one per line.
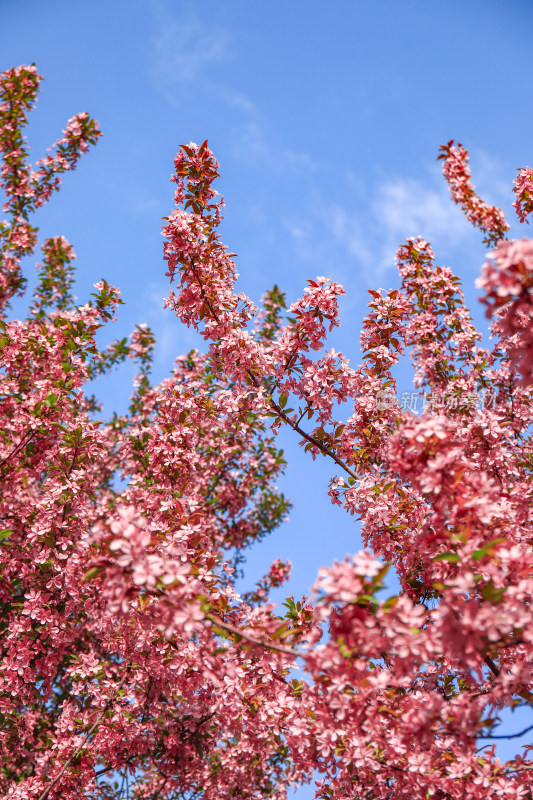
(326, 120)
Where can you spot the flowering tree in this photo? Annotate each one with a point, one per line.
(130, 664)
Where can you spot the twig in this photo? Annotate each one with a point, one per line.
(158, 791)
(25, 440)
(238, 632)
(525, 695)
(316, 442)
(510, 736)
(491, 665)
(107, 706)
(294, 425)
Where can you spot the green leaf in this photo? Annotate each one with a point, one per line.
(487, 549)
(391, 602)
(4, 536)
(491, 594)
(91, 573)
(453, 558)
(367, 600)
(381, 574)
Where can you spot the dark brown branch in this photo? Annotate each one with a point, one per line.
(18, 448)
(294, 425)
(509, 736)
(525, 695)
(312, 440)
(261, 642)
(91, 730)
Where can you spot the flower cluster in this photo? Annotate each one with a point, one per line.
(523, 189)
(507, 281)
(126, 647)
(455, 169)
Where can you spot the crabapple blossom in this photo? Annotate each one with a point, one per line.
(456, 171)
(126, 647)
(507, 279)
(523, 188)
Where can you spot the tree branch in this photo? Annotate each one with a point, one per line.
(510, 736)
(316, 442)
(294, 425)
(91, 730)
(262, 643)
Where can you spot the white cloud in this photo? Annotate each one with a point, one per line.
(370, 230)
(410, 208)
(188, 57)
(183, 49)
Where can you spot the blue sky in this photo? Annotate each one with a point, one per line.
(326, 120)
